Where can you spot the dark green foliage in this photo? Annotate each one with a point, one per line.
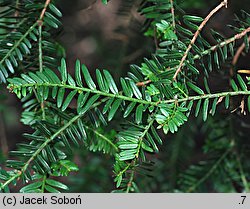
(68, 112)
(20, 37)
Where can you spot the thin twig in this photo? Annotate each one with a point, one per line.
(215, 10)
(43, 183)
(143, 83)
(102, 137)
(226, 42)
(213, 48)
(126, 98)
(237, 56)
(131, 179)
(44, 9)
(173, 14)
(40, 49)
(40, 24)
(40, 57)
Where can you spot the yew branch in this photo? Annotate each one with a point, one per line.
(44, 9)
(202, 25)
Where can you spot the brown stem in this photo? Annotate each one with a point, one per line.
(172, 12)
(213, 48)
(226, 42)
(216, 9)
(237, 56)
(143, 83)
(43, 11)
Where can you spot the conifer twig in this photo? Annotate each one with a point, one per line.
(225, 42)
(40, 23)
(44, 9)
(208, 51)
(143, 83)
(172, 12)
(202, 25)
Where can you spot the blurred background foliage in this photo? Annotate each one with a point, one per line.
(111, 37)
